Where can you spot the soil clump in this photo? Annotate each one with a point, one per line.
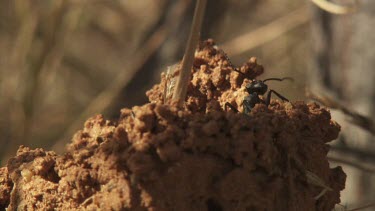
(160, 157)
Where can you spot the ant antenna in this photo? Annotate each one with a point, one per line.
(278, 79)
(236, 69)
(230, 63)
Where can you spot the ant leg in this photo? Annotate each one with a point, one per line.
(231, 107)
(278, 79)
(268, 99)
(248, 104)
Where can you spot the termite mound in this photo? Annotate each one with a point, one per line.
(160, 157)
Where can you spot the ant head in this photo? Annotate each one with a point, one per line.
(257, 86)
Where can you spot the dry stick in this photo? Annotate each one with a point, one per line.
(47, 63)
(360, 154)
(335, 8)
(353, 164)
(362, 121)
(187, 62)
(363, 207)
(18, 54)
(104, 99)
(267, 33)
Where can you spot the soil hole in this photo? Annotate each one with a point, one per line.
(212, 205)
(52, 176)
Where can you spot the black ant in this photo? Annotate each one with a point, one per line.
(256, 88)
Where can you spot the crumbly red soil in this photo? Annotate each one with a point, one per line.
(158, 157)
(214, 81)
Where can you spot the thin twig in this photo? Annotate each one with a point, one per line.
(362, 121)
(104, 99)
(363, 207)
(357, 153)
(11, 80)
(267, 32)
(187, 62)
(353, 164)
(335, 8)
(317, 181)
(46, 65)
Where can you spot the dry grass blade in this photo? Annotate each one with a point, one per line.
(353, 164)
(43, 68)
(315, 180)
(363, 207)
(360, 154)
(104, 99)
(267, 33)
(356, 118)
(187, 62)
(324, 191)
(11, 78)
(170, 82)
(335, 8)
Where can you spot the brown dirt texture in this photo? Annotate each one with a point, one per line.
(160, 157)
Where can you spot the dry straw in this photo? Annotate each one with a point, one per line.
(336, 8)
(187, 62)
(142, 56)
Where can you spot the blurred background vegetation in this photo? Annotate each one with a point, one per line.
(63, 61)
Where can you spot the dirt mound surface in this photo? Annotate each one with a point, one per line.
(214, 81)
(159, 157)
